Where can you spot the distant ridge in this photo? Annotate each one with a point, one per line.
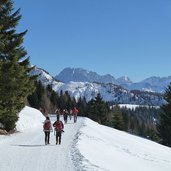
(82, 75)
(151, 84)
(115, 94)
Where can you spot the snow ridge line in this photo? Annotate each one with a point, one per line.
(76, 156)
(79, 161)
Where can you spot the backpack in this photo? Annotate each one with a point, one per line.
(58, 126)
(46, 125)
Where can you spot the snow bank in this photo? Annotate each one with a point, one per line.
(133, 106)
(104, 148)
(29, 118)
(93, 147)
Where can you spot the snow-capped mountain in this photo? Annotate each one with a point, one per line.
(82, 75)
(43, 76)
(124, 80)
(109, 92)
(152, 84)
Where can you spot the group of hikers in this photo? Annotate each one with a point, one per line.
(58, 124)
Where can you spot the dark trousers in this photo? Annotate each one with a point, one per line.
(65, 118)
(47, 137)
(75, 118)
(58, 137)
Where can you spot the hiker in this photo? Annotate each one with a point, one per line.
(57, 111)
(65, 115)
(75, 113)
(59, 126)
(47, 128)
(70, 114)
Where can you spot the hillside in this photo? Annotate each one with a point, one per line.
(86, 146)
(110, 92)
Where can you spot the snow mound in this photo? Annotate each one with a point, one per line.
(29, 118)
(107, 149)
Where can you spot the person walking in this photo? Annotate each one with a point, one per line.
(47, 128)
(57, 111)
(70, 114)
(65, 115)
(59, 126)
(75, 113)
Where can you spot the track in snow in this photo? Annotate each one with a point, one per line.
(26, 151)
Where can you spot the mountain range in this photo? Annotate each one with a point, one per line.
(84, 88)
(152, 84)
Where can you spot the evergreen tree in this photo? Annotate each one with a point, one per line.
(164, 126)
(117, 120)
(82, 106)
(36, 98)
(98, 110)
(34, 101)
(15, 82)
(43, 98)
(54, 98)
(141, 121)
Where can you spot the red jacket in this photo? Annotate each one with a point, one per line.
(47, 126)
(59, 126)
(75, 111)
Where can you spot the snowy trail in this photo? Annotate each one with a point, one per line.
(26, 151)
(86, 146)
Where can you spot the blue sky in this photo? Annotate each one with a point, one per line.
(117, 37)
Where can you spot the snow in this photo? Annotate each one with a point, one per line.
(29, 118)
(110, 149)
(133, 106)
(43, 76)
(25, 151)
(86, 146)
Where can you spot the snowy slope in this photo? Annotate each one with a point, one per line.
(86, 146)
(109, 92)
(109, 149)
(43, 76)
(155, 84)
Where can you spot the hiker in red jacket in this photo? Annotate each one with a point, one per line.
(47, 127)
(59, 126)
(75, 113)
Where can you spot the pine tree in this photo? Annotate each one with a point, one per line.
(15, 82)
(164, 126)
(36, 99)
(117, 120)
(82, 106)
(98, 110)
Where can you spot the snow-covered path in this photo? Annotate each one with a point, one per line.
(86, 146)
(26, 151)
